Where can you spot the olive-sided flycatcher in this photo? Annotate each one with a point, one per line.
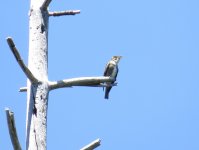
(111, 70)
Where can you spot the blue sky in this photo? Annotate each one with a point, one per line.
(155, 105)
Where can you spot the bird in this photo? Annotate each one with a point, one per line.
(111, 70)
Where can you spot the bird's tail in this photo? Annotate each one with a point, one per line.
(106, 96)
(107, 90)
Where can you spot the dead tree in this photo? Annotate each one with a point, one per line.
(38, 85)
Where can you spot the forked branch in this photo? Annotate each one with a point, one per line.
(12, 129)
(62, 13)
(82, 81)
(92, 145)
(16, 54)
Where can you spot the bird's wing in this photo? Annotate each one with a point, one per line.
(117, 72)
(106, 69)
(109, 69)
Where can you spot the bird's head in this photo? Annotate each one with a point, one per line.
(116, 59)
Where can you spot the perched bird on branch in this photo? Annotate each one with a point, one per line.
(111, 70)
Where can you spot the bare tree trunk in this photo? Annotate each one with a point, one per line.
(37, 93)
(38, 85)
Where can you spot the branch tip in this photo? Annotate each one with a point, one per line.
(62, 13)
(19, 60)
(10, 41)
(92, 145)
(23, 89)
(12, 129)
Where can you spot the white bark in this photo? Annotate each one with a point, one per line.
(37, 94)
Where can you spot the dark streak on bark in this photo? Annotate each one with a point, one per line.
(35, 110)
(42, 28)
(34, 107)
(35, 138)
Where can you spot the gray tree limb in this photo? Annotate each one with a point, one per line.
(19, 60)
(45, 4)
(62, 13)
(24, 89)
(82, 81)
(12, 129)
(92, 145)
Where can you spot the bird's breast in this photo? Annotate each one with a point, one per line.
(114, 73)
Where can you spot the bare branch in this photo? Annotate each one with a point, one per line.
(23, 89)
(25, 69)
(82, 81)
(92, 145)
(103, 85)
(62, 13)
(46, 4)
(12, 129)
